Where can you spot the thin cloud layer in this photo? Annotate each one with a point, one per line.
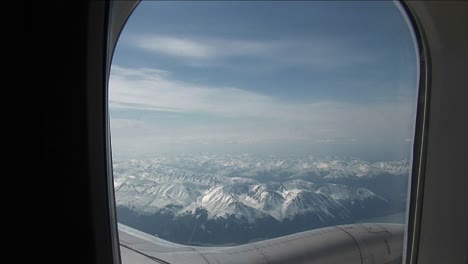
(203, 48)
(241, 116)
(155, 90)
(323, 52)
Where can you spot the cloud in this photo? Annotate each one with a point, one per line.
(325, 141)
(202, 48)
(231, 114)
(148, 89)
(124, 123)
(320, 51)
(155, 90)
(176, 47)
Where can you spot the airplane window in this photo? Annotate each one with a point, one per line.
(234, 122)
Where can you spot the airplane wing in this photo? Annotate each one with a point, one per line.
(356, 243)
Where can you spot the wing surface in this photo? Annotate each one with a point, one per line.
(357, 243)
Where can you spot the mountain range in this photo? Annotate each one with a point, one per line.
(250, 190)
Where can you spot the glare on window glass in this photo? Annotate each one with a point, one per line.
(234, 122)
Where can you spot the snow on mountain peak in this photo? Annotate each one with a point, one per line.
(246, 186)
(343, 192)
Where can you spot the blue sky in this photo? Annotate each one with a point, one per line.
(293, 76)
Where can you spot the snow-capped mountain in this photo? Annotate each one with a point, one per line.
(248, 166)
(252, 188)
(146, 196)
(219, 202)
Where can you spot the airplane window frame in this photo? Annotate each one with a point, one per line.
(416, 190)
(118, 12)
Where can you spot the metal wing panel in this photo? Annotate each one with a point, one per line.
(350, 244)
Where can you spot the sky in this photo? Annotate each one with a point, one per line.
(277, 77)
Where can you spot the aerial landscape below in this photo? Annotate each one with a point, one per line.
(230, 199)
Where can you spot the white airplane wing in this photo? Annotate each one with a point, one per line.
(357, 243)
